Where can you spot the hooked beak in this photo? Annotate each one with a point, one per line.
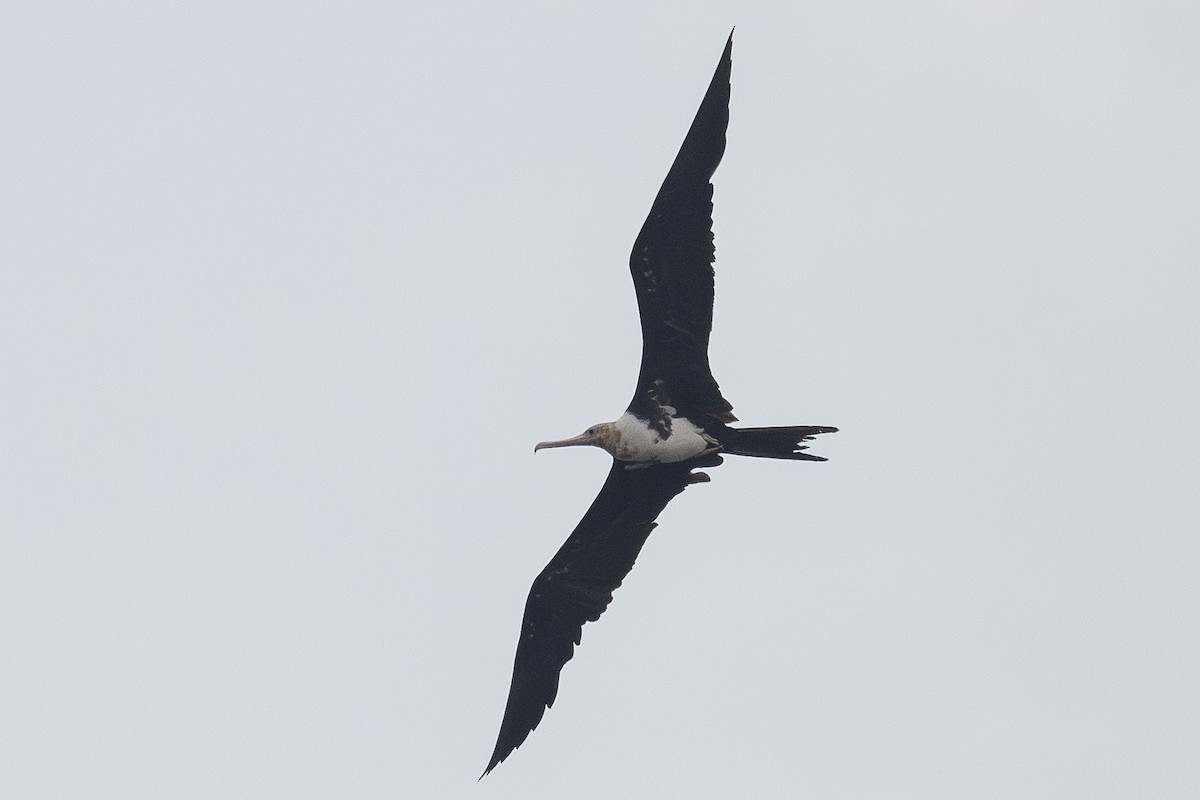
(583, 438)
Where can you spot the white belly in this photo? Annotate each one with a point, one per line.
(639, 442)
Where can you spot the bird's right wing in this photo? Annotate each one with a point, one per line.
(577, 585)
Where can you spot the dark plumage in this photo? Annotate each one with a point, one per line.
(677, 422)
(577, 586)
(671, 264)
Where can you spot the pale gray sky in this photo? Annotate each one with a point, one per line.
(289, 291)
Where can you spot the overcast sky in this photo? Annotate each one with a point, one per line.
(288, 291)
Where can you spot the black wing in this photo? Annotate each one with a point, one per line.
(672, 269)
(577, 585)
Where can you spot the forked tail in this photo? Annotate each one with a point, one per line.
(782, 442)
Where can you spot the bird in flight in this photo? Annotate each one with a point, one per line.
(678, 421)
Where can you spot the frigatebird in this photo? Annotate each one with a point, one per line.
(677, 422)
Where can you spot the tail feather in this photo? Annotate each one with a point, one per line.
(783, 442)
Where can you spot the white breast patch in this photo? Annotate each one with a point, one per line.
(640, 442)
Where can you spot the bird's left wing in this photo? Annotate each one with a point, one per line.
(671, 264)
(577, 585)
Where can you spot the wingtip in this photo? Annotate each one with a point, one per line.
(498, 757)
(492, 764)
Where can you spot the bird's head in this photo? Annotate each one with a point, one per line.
(602, 435)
